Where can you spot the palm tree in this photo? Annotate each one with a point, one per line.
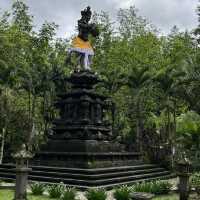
(191, 82)
(168, 80)
(138, 82)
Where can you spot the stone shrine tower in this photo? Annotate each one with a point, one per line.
(82, 151)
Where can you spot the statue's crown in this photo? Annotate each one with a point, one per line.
(86, 12)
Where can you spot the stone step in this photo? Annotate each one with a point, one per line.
(88, 176)
(86, 171)
(89, 182)
(106, 186)
(8, 175)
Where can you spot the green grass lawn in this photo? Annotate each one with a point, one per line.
(175, 197)
(168, 197)
(9, 194)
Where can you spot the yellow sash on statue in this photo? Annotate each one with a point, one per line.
(77, 42)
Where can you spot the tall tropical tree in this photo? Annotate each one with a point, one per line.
(139, 82)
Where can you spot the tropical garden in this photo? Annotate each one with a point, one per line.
(153, 80)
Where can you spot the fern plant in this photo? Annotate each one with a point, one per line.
(56, 190)
(69, 194)
(37, 188)
(96, 194)
(122, 193)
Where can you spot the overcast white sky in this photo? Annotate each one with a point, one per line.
(164, 14)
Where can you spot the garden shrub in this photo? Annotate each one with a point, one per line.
(122, 193)
(69, 194)
(195, 179)
(161, 187)
(154, 187)
(195, 182)
(56, 190)
(37, 188)
(96, 194)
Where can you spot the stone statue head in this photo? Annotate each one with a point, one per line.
(86, 14)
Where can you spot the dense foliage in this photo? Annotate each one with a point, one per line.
(153, 79)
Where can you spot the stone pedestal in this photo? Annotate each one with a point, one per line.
(82, 136)
(22, 171)
(21, 183)
(183, 172)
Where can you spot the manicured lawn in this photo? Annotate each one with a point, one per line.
(8, 195)
(175, 197)
(167, 197)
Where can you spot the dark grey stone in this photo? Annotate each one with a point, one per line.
(21, 183)
(82, 136)
(141, 196)
(183, 168)
(22, 171)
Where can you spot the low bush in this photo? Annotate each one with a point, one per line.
(122, 193)
(195, 182)
(37, 188)
(56, 190)
(69, 194)
(161, 187)
(96, 194)
(195, 179)
(154, 187)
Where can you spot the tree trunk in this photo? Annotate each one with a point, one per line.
(138, 126)
(2, 145)
(33, 107)
(29, 104)
(174, 149)
(168, 121)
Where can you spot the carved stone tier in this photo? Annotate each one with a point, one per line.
(84, 79)
(88, 160)
(82, 137)
(81, 111)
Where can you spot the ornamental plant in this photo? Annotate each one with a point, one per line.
(195, 182)
(122, 193)
(69, 194)
(96, 194)
(56, 190)
(37, 188)
(154, 187)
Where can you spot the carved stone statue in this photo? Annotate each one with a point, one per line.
(81, 47)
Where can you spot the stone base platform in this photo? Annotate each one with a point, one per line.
(107, 177)
(85, 154)
(86, 160)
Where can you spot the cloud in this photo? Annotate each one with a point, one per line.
(162, 13)
(66, 12)
(167, 13)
